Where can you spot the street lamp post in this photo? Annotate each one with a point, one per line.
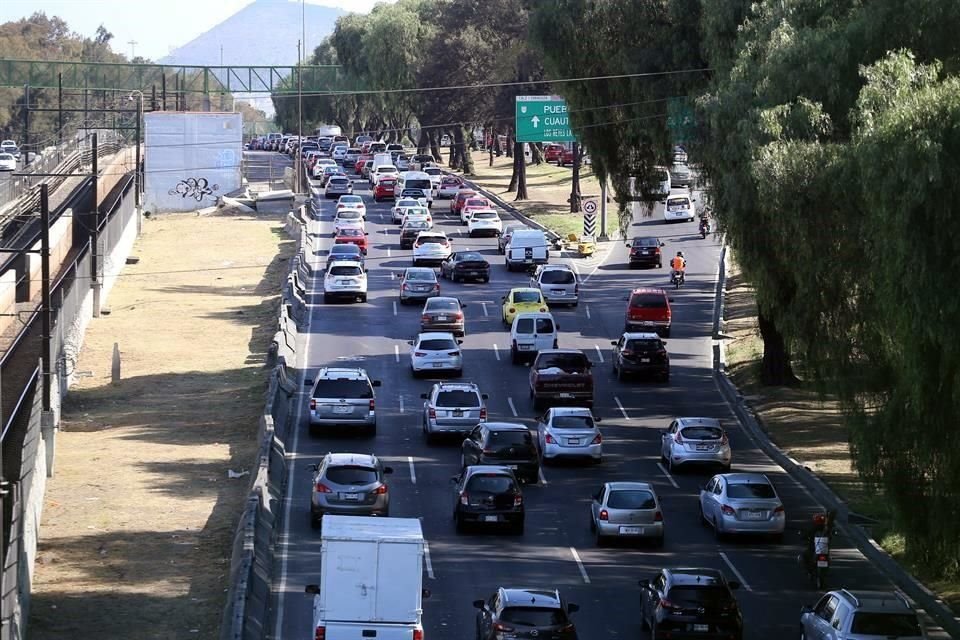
(137, 181)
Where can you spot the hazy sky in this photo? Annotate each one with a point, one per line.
(158, 26)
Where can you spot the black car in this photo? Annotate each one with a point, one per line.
(645, 252)
(465, 265)
(502, 443)
(347, 251)
(487, 494)
(410, 231)
(642, 354)
(525, 613)
(690, 603)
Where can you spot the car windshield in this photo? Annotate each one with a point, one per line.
(631, 499)
(750, 490)
(441, 304)
(432, 240)
(407, 202)
(343, 389)
(570, 362)
(648, 301)
(490, 483)
(526, 296)
(533, 616)
(699, 594)
(344, 270)
(439, 344)
(424, 276)
(351, 475)
(458, 398)
(702, 433)
(882, 623)
(572, 422)
(557, 276)
(485, 215)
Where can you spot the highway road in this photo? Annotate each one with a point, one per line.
(557, 550)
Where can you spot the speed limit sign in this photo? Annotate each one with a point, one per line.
(590, 206)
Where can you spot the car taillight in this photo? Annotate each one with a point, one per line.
(321, 634)
(404, 286)
(488, 452)
(459, 315)
(436, 287)
(453, 353)
(464, 499)
(627, 352)
(657, 250)
(432, 412)
(322, 488)
(418, 634)
(666, 604)
(424, 318)
(381, 490)
(549, 439)
(598, 439)
(728, 510)
(313, 404)
(604, 515)
(499, 626)
(778, 509)
(658, 517)
(483, 413)
(517, 500)
(822, 557)
(678, 438)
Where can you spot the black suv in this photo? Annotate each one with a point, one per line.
(645, 252)
(690, 603)
(641, 353)
(502, 443)
(525, 613)
(487, 494)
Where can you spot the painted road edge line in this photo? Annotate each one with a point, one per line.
(583, 569)
(513, 409)
(427, 561)
(663, 470)
(735, 571)
(413, 472)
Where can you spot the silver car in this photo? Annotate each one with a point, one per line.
(436, 352)
(569, 432)
(348, 484)
(626, 510)
(338, 185)
(400, 209)
(742, 503)
(418, 283)
(862, 615)
(343, 397)
(443, 314)
(695, 441)
(558, 284)
(453, 407)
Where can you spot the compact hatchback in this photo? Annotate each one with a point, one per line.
(691, 441)
(453, 407)
(343, 397)
(436, 352)
(648, 310)
(504, 443)
(487, 494)
(348, 484)
(626, 510)
(534, 614)
(690, 603)
(861, 615)
(569, 432)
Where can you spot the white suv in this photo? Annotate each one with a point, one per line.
(431, 246)
(862, 615)
(345, 280)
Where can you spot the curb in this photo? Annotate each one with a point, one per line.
(871, 550)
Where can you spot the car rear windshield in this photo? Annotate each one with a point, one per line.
(338, 181)
(349, 214)
(750, 490)
(648, 301)
(526, 296)
(458, 398)
(570, 362)
(345, 249)
(432, 240)
(476, 202)
(524, 325)
(572, 422)
(343, 389)
(417, 211)
(644, 242)
(439, 344)
(344, 270)
(885, 624)
(678, 202)
(426, 276)
(693, 594)
(505, 439)
(450, 181)
(631, 499)
(472, 257)
(351, 475)
(643, 345)
(350, 199)
(533, 616)
(416, 226)
(702, 433)
(422, 183)
(544, 325)
(491, 483)
(485, 215)
(439, 304)
(557, 276)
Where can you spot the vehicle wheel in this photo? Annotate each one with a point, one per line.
(453, 276)
(658, 542)
(463, 461)
(458, 523)
(666, 332)
(363, 298)
(670, 465)
(458, 373)
(593, 525)
(414, 372)
(372, 431)
(644, 623)
(326, 299)
(314, 522)
(518, 528)
(600, 540)
(620, 376)
(659, 265)
(703, 519)
(718, 534)
(597, 460)
(514, 356)
(486, 280)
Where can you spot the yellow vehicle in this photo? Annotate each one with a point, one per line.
(522, 300)
(586, 245)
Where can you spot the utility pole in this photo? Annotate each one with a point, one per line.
(603, 210)
(60, 106)
(47, 426)
(93, 229)
(132, 43)
(26, 124)
(296, 165)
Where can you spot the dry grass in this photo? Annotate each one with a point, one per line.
(138, 520)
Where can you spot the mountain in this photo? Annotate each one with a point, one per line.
(264, 33)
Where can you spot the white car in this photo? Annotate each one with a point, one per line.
(383, 170)
(348, 219)
(569, 432)
(421, 214)
(352, 202)
(401, 207)
(431, 246)
(678, 208)
(436, 174)
(345, 280)
(436, 351)
(449, 186)
(484, 222)
(321, 164)
(8, 162)
(339, 153)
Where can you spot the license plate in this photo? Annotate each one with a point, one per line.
(644, 359)
(646, 252)
(490, 518)
(437, 365)
(573, 440)
(822, 563)
(631, 531)
(458, 413)
(525, 347)
(528, 259)
(473, 273)
(566, 395)
(701, 627)
(704, 447)
(558, 292)
(441, 318)
(755, 515)
(350, 496)
(514, 467)
(345, 409)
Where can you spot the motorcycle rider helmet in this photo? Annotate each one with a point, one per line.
(679, 254)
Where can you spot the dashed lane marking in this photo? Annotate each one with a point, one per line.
(664, 471)
(583, 569)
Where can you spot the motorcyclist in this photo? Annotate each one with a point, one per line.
(821, 526)
(678, 266)
(705, 220)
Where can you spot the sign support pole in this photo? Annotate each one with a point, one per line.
(603, 211)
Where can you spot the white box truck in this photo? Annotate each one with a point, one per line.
(371, 579)
(328, 131)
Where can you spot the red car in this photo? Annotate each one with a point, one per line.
(362, 160)
(648, 310)
(384, 189)
(462, 196)
(566, 157)
(553, 152)
(352, 236)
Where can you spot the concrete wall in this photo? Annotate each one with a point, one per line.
(8, 299)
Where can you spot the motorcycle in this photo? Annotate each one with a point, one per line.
(677, 278)
(704, 228)
(817, 564)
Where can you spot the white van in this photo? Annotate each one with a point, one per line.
(381, 159)
(531, 333)
(415, 180)
(659, 190)
(527, 247)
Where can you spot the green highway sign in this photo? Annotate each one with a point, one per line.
(543, 119)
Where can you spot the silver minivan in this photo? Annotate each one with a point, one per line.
(558, 284)
(531, 333)
(343, 397)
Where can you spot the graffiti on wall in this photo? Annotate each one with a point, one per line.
(196, 188)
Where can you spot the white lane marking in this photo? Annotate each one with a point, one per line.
(583, 569)
(543, 478)
(600, 264)
(663, 470)
(396, 352)
(413, 473)
(622, 410)
(588, 312)
(496, 351)
(576, 269)
(388, 252)
(284, 541)
(427, 560)
(513, 409)
(596, 346)
(401, 403)
(735, 572)
(395, 312)
(484, 305)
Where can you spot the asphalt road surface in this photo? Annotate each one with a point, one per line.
(557, 550)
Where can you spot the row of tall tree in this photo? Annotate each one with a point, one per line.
(828, 136)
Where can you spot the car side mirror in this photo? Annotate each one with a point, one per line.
(454, 479)
(614, 342)
(573, 608)
(662, 244)
(312, 588)
(376, 383)
(627, 244)
(597, 419)
(410, 342)
(733, 584)
(504, 298)
(479, 604)
(806, 609)
(425, 593)
(424, 396)
(459, 341)
(644, 584)
(308, 382)
(312, 466)
(484, 396)
(670, 299)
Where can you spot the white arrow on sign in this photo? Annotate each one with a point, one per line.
(536, 121)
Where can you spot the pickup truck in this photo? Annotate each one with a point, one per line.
(563, 375)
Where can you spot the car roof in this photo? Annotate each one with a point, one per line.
(420, 270)
(571, 411)
(352, 458)
(534, 314)
(506, 426)
(427, 234)
(695, 576)
(648, 290)
(514, 597)
(432, 335)
(345, 248)
(746, 478)
(552, 351)
(489, 468)
(699, 422)
(457, 386)
(341, 373)
(485, 210)
(626, 485)
(555, 267)
(641, 335)
(520, 289)
(344, 263)
(875, 601)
